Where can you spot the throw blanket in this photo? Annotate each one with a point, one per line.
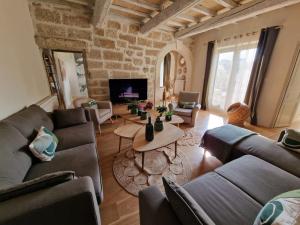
(219, 141)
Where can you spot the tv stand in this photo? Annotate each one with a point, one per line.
(119, 109)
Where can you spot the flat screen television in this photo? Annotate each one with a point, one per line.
(126, 90)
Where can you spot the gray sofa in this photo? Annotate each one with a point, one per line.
(72, 202)
(234, 193)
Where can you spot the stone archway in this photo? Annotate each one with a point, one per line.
(183, 50)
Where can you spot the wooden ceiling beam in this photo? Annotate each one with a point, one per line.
(187, 18)
(203, 10)
(234, 15)
(101, 10)
(227, 3)
(175, 23)
(129, 11)
(142, 4)
(166, 14)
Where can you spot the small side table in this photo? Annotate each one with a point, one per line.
(127, 131)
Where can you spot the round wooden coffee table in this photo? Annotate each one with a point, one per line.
(170, 134)
(177, 120)
(127, 131)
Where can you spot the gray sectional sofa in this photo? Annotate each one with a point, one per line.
(72, 202)
(257, 170)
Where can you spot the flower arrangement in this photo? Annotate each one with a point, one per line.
(148, 106)
(168, 115)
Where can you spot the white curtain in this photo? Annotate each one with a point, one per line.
(230, 72)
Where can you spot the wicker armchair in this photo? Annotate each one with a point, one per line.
(100, 112)
(188, 115)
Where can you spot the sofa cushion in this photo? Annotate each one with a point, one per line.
(36, 184)
(103, 112)
(29, 120)
(258, 178)
(271, 152)
(69, 117)
(183, 112)
(74, 136)
(83, 160)
(44, 145)
(185, 207)
(223, 202)
(15, 160)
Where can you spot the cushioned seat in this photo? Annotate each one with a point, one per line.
(74, 136)
(82, 159)
(104, 112)
(271, 181)
(223, 202)
(183, 112)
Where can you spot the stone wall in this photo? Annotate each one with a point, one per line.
(117, 50)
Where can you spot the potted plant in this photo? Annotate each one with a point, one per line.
(161, 109)
(168, 116)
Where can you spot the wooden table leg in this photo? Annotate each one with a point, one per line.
(120, 143)
(143, 160)
(175, 149)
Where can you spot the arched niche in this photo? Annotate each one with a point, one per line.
(184, 51)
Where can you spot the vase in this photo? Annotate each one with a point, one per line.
(168, 117)
(149, 134)
(134, 111)
(158, 125)
(139, 112)
(143, 115)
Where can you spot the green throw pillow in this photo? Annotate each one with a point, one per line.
(291, 140)
(44, 145)
(284, 209)
(187, 105)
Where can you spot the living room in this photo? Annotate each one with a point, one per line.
(150, 112)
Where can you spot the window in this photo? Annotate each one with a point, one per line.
(231, 69)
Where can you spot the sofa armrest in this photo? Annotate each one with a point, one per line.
(104, 105)
(197, 107)
(172, 106)
(72, 202)
(155, 208)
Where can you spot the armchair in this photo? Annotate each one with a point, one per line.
(99, 113)
(189, 115)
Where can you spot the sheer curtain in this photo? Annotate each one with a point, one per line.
(230, 72)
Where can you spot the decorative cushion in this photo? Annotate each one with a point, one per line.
(183, 204)
(183, 112)
(44, 145)
(36, 184)
(69, 117)
(291, 140)
(284, 209)
(187, 105)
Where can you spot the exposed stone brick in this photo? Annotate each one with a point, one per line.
(51, 30)
(157, 44)
(133, 29)
(124, 28)
(59, 43)
(166, 37)
(148, 60)
(128, 59)
(93, 83)
(154, 35)
(113, 25)
(47, 15)
(145, 69)
(94, 64)
(135, 47)
(94, 54)
(112, 65)
(79, 21)
(105, 43)
(144, 42)
(138, 75)
(103, 74)
(99, 32)
(115, 56)
(137, 61)
(122, 44)
(131, 39)
(129, 66)
(100, 98)
(111, 34)
(139, 53)
(98, 91)
(79, 34)
(152, 52)
(103, 83)
(129, 52)
(120, 74)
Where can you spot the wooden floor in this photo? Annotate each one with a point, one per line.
(118, 206)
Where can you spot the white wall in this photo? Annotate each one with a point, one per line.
(23, 79)
(287, 41)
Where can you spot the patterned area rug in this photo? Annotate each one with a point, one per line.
(158, 163)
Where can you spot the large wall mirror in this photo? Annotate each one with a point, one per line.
(67, 75)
